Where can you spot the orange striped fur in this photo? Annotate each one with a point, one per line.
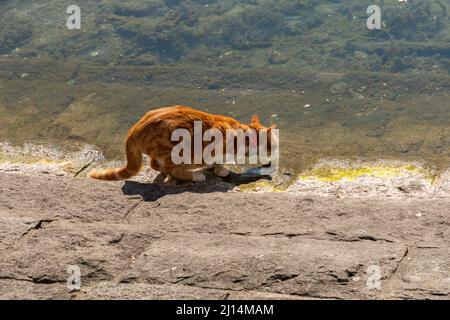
(152, 136)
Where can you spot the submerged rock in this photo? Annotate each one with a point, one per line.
(339, 88)
(277, 57)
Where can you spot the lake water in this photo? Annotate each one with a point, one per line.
(335, 88)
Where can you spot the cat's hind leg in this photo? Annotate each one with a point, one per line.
(154, 164)
(161, 177)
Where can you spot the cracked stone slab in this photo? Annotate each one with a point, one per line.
(245, 245)
(101, 251)
(143, 291)
(12, 229)
(287, 215)
(425, 274)
(317, 268)
(57, 197)
(25, 290)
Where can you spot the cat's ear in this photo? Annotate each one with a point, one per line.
(255, 120)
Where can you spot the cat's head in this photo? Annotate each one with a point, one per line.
(270, 132)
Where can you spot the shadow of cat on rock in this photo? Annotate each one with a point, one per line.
(158, 188)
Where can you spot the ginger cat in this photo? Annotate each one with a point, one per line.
(152, 136)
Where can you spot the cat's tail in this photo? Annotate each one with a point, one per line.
(134, 163)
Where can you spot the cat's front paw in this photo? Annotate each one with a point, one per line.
(198, 177)
(170, 180)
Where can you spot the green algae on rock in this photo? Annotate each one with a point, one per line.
(388, 178)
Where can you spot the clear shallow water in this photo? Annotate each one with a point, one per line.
(334, 88)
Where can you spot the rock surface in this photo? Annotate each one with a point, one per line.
(151, 241)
